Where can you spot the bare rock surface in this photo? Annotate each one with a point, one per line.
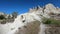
(52, 29)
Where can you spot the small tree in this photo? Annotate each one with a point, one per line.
(9, 17)
(14, 14)
(2, 17)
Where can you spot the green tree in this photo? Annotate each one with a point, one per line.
(2, 17)
(14, 14)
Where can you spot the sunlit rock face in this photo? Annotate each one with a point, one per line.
(50, 8)
(20, 22)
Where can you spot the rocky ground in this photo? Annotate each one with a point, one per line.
(52, 29)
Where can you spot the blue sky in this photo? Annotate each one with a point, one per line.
(22, 6)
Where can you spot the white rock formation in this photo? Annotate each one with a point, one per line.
(51, 8)
(10, 28)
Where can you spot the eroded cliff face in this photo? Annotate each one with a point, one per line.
(48, 11)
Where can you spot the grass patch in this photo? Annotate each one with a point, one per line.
(51, 21)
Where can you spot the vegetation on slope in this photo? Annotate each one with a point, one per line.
(7, 17)
(2, 17)
(51, 21)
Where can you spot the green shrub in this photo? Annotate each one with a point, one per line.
(51, 21)
(2, 17)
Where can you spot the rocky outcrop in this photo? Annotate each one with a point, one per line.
(49, 11)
